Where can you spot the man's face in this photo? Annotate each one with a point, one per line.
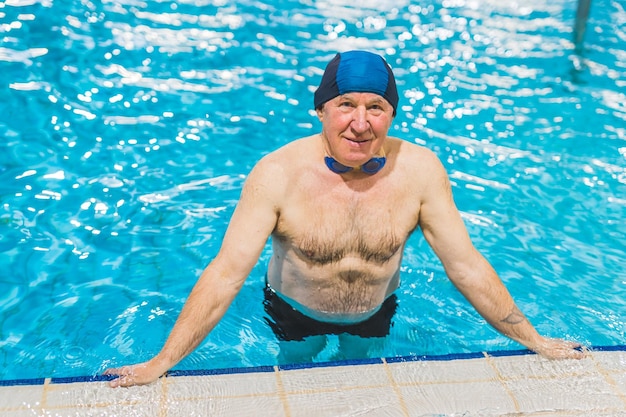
(355, 126)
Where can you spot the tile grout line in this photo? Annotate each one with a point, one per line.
(281, 392)
(163, 399)
(443, 382)
(334, 389)
(608, 378)
(502, 381)
(44, 394)
(395, 387)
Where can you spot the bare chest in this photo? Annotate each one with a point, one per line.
(327, 225)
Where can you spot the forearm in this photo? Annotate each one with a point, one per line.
(206, 305)
(470, 272)
(512, 323)
(485, 291)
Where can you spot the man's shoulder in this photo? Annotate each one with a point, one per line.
(279, 164)
(289, 155)
(289, 149)
(298, 145)
(411, 152)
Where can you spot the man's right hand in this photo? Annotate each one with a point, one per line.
(140, 374)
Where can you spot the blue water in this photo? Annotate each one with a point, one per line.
(128, 129)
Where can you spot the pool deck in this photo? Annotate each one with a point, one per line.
(480, 384)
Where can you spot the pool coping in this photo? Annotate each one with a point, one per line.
(299, 366)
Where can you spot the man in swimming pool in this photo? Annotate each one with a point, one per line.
(340, 206)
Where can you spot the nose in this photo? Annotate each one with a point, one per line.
(359, 120)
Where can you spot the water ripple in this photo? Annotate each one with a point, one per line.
(129, 128)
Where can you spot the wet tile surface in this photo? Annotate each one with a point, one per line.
(478, 385)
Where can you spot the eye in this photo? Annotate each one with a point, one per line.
(376, 109)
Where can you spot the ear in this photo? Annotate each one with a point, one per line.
(320, 112)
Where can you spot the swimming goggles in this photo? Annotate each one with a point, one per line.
(371, 167)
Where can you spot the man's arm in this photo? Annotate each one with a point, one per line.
(472, 274)
(252, 222)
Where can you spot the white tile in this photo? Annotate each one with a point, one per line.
(442, 371)
(477, 398)
(125, 410)
(611, 361)
(19, 396)
(99, 394)
(537, 367)
(334, 377)
(244, 384)
(579, 393)
(619, 380)
(257, 406)
(370, 402)
(22, 412)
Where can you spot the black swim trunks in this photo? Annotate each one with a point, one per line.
(290, 324)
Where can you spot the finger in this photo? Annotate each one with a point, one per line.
(574, 345)
(111, 371)
(578, 350)
(124, 380)
(114, 383)
(563, 349)
(119, 371)
(124, 374)
(575, 354)
(583, 351)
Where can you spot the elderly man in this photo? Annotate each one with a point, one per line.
(339, 206)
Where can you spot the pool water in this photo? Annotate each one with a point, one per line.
(129, 127)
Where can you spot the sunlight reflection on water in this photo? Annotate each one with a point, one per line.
(129, 128)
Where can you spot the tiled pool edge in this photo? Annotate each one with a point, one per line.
(271, 369)
(480, 384)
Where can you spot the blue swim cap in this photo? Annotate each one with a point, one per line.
(357, 71)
